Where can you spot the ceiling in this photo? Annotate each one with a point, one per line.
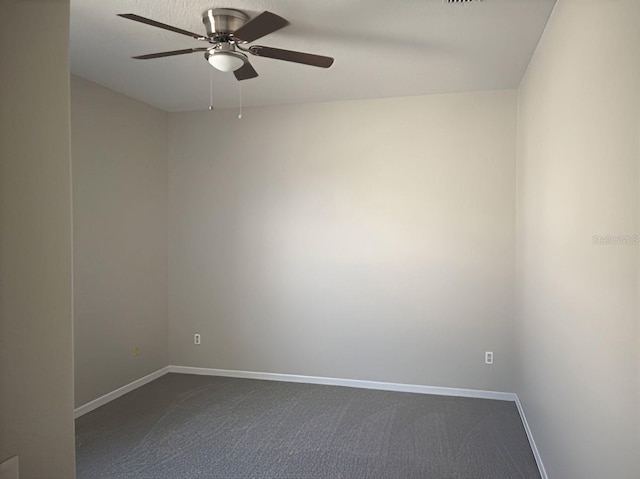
(381, 49)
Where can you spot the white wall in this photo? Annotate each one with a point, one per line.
(368, 240)
(578, 154)
(36, 362)
(120, 238)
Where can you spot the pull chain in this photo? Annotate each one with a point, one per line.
(210, 89)
(240, 98)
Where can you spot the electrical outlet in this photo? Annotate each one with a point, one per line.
(136, 351)
(196, 338)
(488, 357)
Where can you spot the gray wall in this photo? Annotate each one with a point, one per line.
(578, 154)
(367, 240)
(120, 187)
(36, 362)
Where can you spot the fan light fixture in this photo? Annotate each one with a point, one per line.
(228, 29)
(226, 61)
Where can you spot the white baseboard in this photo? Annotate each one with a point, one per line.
(10, 468)
(353, 383)
(96, 403)
(534, 448)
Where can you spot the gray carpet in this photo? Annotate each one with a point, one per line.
(185, 426)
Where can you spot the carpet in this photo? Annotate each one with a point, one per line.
(187, 426)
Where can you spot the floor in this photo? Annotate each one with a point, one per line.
(189, 426)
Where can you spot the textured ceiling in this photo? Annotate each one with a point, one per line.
(381, 49)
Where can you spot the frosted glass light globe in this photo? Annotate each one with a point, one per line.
(226, 61)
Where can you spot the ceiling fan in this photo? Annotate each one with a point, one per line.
(228, 32)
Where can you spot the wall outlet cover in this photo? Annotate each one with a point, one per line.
(488, 357)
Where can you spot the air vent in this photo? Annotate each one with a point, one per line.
(462, 1)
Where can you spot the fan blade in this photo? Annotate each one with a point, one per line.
(153, 23)
(291, 56)
(169, 54)
(260, 26)
(245, 72)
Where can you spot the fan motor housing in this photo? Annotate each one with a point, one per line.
(223, 20)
